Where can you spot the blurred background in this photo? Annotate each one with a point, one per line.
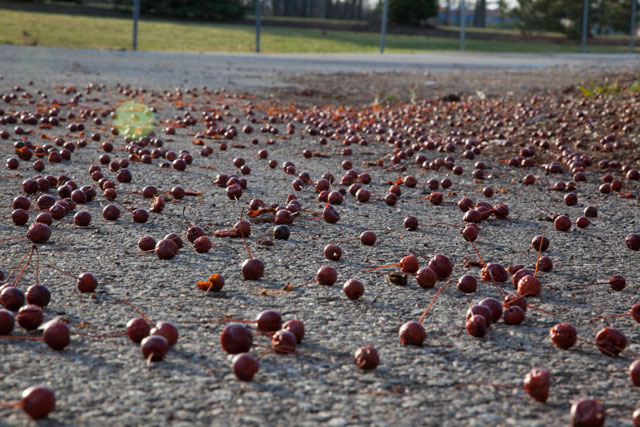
(324, 26)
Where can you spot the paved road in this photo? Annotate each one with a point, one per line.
(248, 71)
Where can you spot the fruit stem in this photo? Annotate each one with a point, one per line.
(208, 322)
(264, 353)
(178, 236)
(546, 210)
(208, 289)
(26, 254)
(381, 266)
(37, 270)
(587, 341)
(184, 217)
(351, 239)
(547, 312)
(242, 234)
(23, 338)
(445, 223)
(491, 385)
(418, 254)
(269, 349)
(12, 238)
(24, 267)
(592, 284)
(11, 404)
(62, 272)
(305, 284)
(611, 316)
(513, 301)
(119, 334)
(479, 256)
(139, 252)
(495, 284)
(137, 310)
(126, 208)
(539, 252)
(433, 300)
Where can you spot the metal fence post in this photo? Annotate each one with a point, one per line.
(463, 25)
(258, 23)
(585, 25)
(383, 28)
(136, 17)
(634, 12)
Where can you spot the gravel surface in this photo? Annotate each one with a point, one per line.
(105, 381)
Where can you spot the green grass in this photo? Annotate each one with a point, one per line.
(594, 89)
(58, 30)
(309, 20)
(509, 31)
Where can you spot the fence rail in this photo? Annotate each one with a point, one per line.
(264, 16)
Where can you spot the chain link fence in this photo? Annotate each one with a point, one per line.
(477, 20)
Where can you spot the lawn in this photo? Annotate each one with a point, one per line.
(77, 31)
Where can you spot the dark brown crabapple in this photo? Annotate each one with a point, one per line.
(366, 358)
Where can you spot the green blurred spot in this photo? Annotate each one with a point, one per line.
(134, 120)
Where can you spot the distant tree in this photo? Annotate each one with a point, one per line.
(412, 11)
(503, 8)
(566, 15)
(219, 10)
(617, 15)
(53, 1)
(563, 16)
(360, 12)
(448, 12)
(480, 14)
(328, 9)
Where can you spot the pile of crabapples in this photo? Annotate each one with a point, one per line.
(81, 168)
(237, 339)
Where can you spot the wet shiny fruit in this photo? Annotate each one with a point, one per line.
(611, 341)
(38, 401)
(269, 321)
(154, 347)
(354, 289)
(252, 269)
(536, 384)
(57, 335)
(563, 335)
(138, 329)
(412, 333)
(588, 413)
(236, 338)
(296, 327)
(284, 341)
(166, 330)
(245, 366)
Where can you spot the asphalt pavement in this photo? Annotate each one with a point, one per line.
(250, 71)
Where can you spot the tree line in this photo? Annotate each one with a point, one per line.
(564, 16)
